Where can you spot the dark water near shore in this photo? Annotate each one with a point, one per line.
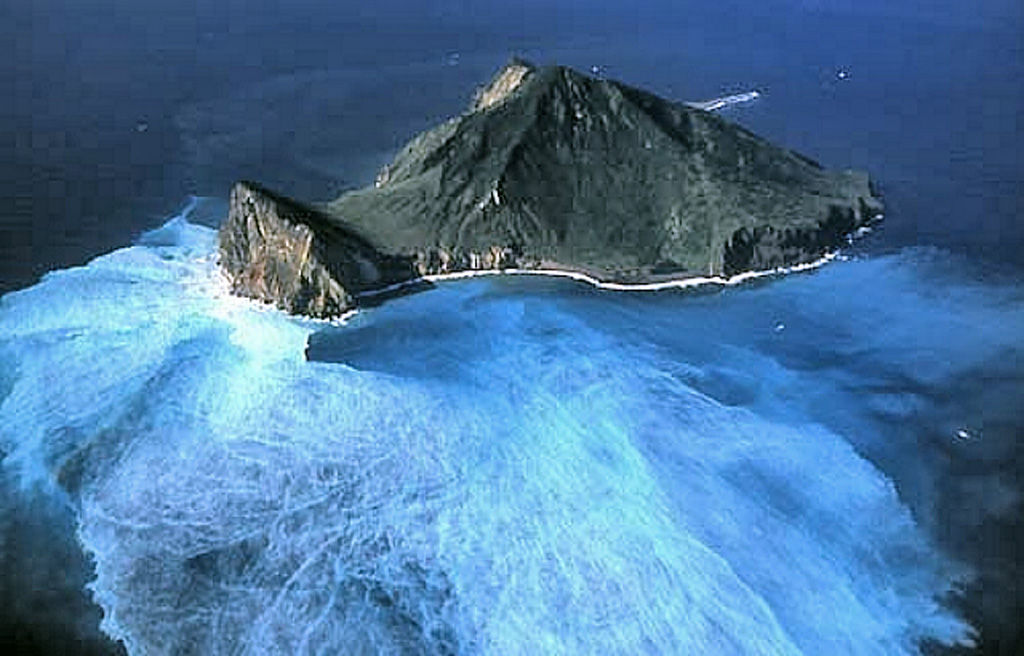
(120, 111)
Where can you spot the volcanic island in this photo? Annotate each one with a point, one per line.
(550, 171)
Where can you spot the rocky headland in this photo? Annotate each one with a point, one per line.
(297, 257)
(550, 169)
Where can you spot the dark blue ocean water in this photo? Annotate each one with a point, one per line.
(815, 464)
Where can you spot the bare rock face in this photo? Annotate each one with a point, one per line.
(504, 83)
(767, 247)
(279, 251)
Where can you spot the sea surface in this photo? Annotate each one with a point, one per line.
(825, 462)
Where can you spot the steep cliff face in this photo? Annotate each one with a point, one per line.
(557, 169)
(766, 247)
(277, 250)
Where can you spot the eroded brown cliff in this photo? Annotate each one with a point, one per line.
(286, 253)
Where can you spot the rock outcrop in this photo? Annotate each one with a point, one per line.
(504, 83)
(550, 168)
(766, 247)
(283, 252)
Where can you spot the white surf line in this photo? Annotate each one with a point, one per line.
(218, 286)
(725, 101)
(679, 283)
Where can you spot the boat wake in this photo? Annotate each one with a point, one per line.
(725, 101)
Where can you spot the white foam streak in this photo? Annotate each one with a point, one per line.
(725, 101)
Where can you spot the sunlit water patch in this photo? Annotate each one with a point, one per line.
(514, 466)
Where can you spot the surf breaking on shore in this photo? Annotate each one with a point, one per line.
(223, 285)
(676, 283)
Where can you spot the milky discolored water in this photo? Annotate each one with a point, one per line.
(518, 465)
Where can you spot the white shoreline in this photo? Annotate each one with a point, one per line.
(222, 286)
(219, 288)
(678, 283)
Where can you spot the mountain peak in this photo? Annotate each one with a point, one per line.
(506, 81)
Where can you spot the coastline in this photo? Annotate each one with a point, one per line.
(677, 283)
(222, 288)
(217, 285)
